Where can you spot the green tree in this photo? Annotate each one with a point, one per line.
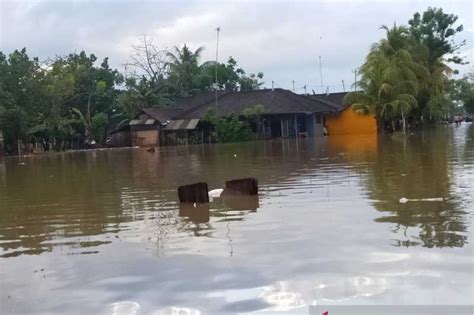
(461, 94)
(250, 82)
(435, 30)
(230, 77)
(22, 95)
(184, 69)
(390, 80)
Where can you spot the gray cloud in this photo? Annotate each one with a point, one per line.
(283, 39)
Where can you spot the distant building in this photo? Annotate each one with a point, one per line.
(285, 115)
(345, 121)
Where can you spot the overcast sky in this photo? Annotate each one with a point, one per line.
(282, 39)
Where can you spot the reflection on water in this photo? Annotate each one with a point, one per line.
(102, 231)
(427, 166)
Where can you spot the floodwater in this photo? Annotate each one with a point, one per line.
(102, 232)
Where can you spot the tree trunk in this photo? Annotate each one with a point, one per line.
(404, 123)
(19, 144)
(380, 125)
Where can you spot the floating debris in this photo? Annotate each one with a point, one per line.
(405, 200)
(193, 193)
(215, 193)
(243, 186)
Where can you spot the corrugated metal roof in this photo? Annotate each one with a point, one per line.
(149, 122)
(173, 125)
(182, 124)
(192, 124)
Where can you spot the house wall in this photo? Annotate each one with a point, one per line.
(283, 125)
(145, 138)
(349, 122)
(310, 125)
(318, 125)
(121, 139)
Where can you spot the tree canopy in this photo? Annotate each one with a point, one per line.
(405, 78)
(73, 101)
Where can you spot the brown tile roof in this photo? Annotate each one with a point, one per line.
(277, 101)
(336, 99)
(158, 114)
(186, 103)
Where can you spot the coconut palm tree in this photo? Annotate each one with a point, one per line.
(184, 69)
(390, 80)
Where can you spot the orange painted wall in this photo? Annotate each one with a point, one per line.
(349, 122)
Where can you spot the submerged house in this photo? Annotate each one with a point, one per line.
(285, 115)
(346, 121)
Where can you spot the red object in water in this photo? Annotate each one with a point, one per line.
(325, 313)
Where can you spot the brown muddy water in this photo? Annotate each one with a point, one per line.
(102, 233)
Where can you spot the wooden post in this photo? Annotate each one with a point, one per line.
(281, 124)
(296, 127)
(198, 213)
(243, 186)
(193, 193)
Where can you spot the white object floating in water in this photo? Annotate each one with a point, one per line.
(215, 193)
(405, 200)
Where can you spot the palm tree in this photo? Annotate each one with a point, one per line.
(184, 68)
(390, 80)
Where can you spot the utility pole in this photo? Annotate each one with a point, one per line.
(217, 59)
(355, 80)
(343, 86)
(304, 89)
(321, 73)
(273, 85)
(293, 86)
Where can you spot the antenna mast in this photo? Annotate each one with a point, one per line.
(355, 79)
(321, 73)
(217, 58)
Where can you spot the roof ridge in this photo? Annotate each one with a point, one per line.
(194, 108)
(329, 103)
(297, 98)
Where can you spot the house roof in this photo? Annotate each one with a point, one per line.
(186, 103)
(182, 124)
(161, 115)
(336, 99)
(277, 101)
(274, 101)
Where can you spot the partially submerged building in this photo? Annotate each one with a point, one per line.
(284, 115)
(345, 121)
